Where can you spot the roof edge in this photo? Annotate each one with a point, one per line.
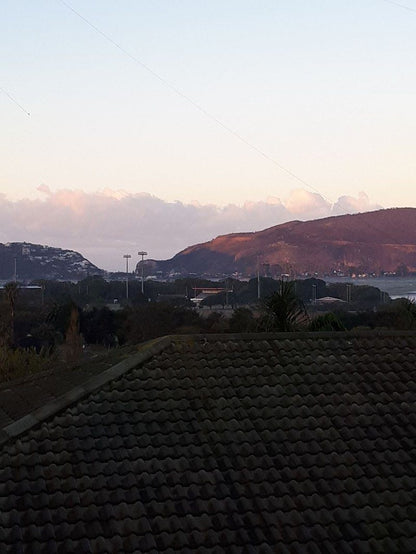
(363, 333)
(38, 416)
(154, 347)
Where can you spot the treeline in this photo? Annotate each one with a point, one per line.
(59, 320)
(98, 292)
(41, 317)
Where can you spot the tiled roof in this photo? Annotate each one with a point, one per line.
(283, 443)
(30, 392)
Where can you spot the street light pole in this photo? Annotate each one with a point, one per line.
(127, 256)
(258, 278)
(142, 253)
(314, 294)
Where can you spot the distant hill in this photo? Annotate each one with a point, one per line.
(34, 261)
(366, 242)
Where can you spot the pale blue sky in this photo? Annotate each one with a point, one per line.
(325, 87)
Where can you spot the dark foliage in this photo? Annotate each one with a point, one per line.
(283, 310)
(243, 321)
(156, 319)
(98, 326)
(326, 322)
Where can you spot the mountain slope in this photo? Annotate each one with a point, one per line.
(371, 242)
(34, 261)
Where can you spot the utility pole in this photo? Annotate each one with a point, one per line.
(127, 256)
(258, 278)
(142, 253)
(42, 291)
(348, 293)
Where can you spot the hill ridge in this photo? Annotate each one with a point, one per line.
(369, 242)
(31, 261)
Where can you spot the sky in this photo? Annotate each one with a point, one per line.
(157, 124)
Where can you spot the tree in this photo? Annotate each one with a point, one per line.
(399, 314)
(98, 327)
(283, 310)
(12, 290)
(72, 348)
(155, 319)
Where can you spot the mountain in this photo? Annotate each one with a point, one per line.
(34, 261)
(371, 242)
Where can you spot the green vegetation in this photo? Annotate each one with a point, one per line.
(326, 322)
(243, 321)
(60, 323)
(11, 291)
(283, 310)
(21, 362)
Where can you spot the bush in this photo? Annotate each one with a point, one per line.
(215, 323)
(399, 314)
(242, 321)
(326, 322)
(98, 327)
(19, 362)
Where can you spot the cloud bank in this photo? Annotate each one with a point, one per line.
(105, 225)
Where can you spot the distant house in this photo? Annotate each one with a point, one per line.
(329, 300)
(287, 443)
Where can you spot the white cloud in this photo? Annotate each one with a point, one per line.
(349, 204)
(307, 205)
(105, 225)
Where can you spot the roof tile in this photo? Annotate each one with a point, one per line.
(298, 444)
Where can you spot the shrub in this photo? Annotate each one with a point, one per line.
(326, 322)
(243, 321)
(19, 362)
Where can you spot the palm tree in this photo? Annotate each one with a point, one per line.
(12, 290)
(284, 310)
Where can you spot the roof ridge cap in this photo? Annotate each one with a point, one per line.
(294, 335)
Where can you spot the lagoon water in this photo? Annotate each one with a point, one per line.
(396, 287)
(411, 296)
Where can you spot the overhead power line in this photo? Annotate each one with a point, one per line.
(400, 5)
(197, 106)
(206, 113)
(14, 101)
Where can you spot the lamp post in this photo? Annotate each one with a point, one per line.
(258, 277)
(142, 254)
(349, 293)
(127, 256)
